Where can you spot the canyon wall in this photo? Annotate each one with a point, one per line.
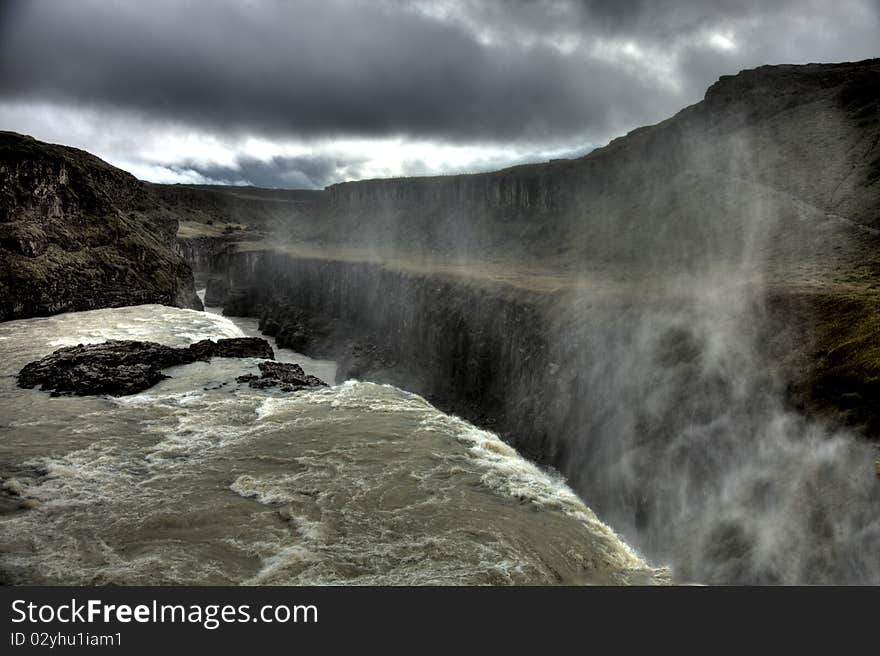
(252, 206)
(477, 350)
(683, 323)
(79, 234)
(780, 164)
(805, 138)
(653, 406)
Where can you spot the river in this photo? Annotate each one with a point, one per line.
(201, 480)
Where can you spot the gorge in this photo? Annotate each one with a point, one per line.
(682, 324)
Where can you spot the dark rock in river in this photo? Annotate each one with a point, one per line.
(291, 327)
(234, 347)
(287, 376)
(121, 367)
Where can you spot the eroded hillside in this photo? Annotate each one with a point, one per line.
(78, 234)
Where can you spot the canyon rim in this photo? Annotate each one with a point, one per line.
(654, 361)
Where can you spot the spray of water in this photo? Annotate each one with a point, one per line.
(685, 441)
(670, 418)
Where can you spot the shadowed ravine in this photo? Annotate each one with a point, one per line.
(658, 407)
(677, 332)
(660, 321)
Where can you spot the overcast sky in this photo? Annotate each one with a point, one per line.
(307, 93)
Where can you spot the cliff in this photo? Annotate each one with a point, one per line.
(768, 145)
(259, 209)
(774, 177)
(780, 165)
(671, 321)
(79, 234)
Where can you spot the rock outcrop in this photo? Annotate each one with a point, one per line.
(79, 234)
(286, 376)
(121, 367)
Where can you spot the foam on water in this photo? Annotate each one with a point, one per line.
(323, 369)
(203, 480)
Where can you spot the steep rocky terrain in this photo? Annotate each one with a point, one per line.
(78, 234)
(770, 149)
(670, 321)
(120, 367)
(775, 177)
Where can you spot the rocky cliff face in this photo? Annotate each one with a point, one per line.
(775, 125)
(770, 144)
(779, 163)
(645, 319)
(261, 209)
(202, 252)
(79, 234)
(479, 351)
(678, 322)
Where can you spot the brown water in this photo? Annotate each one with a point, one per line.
(200, 480)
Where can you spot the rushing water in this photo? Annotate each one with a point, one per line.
(200, 480)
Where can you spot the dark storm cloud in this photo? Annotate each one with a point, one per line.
(304, 69)
(766, 32)
(664, 21)
(176, 90)
(460, 71)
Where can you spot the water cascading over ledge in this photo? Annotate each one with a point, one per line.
(682, 322)
(659, 408)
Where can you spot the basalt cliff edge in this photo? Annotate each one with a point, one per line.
(475, 289)
(661, 321)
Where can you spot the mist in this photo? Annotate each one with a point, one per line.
(658, 376)
(639, 245)
(688, 447)
(686, 437)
